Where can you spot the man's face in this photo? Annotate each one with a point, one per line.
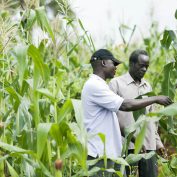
(109, 68)
(139, 68)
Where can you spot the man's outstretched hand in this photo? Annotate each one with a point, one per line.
(164, 100)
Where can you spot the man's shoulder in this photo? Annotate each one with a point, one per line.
(93, 84)
(147, 83)
(121, 78)
(89, 84)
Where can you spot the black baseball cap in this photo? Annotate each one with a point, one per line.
(104, 54)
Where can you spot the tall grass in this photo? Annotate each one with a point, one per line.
(40, 85)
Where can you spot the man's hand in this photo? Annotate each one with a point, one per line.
(143, 149)
(162, 152)
(164, 100)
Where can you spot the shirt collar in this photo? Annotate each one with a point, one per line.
(130, 80)
(97, 77)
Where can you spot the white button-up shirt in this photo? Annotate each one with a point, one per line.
(100, 105)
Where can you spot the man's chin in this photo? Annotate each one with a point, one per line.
(112, 76)
(141, 75)
(140, 78)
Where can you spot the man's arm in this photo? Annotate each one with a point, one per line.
(135, 104)
(159, 143)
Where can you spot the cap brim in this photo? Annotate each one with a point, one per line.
(116, 61)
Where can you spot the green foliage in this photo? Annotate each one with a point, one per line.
(39, 64)
(168, 88)
(170, 110)
(140, 137)
(168, 37)
(41, 117)
(43, 21)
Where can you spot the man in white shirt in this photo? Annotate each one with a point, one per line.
(130, 86)
(100, 105)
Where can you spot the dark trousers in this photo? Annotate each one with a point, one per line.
(100, 164)
(146, 168)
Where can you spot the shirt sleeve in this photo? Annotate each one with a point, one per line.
(106, 98)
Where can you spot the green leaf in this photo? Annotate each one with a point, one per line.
(86, 37)
(24, 118)
(77, 150)
(111, 170)
(133, 127)
(13, 93)
(93, 171)
(149, 155)
(93, 162)
(81, 25)
(12, 148)
(176, 14)
(140, 138)
(20, 52)
(34, 53)
(126, 143)
(167, 86)
(71, 50)
(45, 170)
(132, 158)
(59, 80)
(42, 133)
(12, 170)
(170, 110)
(47, 93)
(36, 78)
(74, 148)
(138, 113)
(77, 105)
(43, 21)
(56, 133)
(173, 163)
(3, 158)
(103, 139)
(121, 161)
(81, 133)
(119, 173)
(168, 37)
(31, 19)
(64, 110)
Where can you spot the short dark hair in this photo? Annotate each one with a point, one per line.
(134, 55)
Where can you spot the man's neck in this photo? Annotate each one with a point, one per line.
(138, 81)
(100, 74)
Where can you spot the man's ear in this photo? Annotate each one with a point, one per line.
(103, 63)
